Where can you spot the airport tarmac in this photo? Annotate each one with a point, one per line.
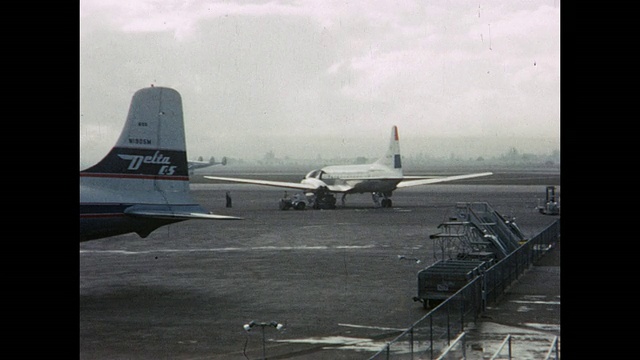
(333, 278)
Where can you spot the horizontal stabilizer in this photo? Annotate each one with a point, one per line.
(175, 213)
(182, 216)
(409, 183)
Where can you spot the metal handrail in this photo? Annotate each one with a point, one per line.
(506, 339)
(554, 344)
(454, 343)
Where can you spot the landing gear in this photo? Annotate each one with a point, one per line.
(324, 200)
(385, 202)
(327, 201)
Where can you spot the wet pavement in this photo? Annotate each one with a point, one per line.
(334, 278)
(529, 312)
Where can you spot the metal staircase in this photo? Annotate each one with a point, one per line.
(476, 231)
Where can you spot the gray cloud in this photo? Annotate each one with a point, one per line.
(333, 75)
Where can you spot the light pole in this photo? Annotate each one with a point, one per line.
(275, 324)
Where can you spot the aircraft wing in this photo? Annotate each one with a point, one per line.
(281, 184)
(409, 183)
(197, 164)
(422, 177)
(284, 184)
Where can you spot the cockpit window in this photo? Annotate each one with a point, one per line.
(317, 174)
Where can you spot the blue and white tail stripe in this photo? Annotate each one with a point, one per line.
(141, 164)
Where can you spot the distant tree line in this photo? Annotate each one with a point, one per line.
(512, 157)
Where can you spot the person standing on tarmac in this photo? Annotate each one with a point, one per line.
(228, 197)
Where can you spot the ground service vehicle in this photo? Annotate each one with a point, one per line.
(551, 205)
(298, 202)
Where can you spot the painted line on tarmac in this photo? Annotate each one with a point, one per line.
(544, 327)
(230, 249)
(372, 327)
(536, 302)
(340, 343)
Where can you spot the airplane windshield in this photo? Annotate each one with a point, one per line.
(314, 174)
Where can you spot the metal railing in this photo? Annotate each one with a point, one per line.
(460, 339)
(553, 349)
(433, 333)
(507, 341)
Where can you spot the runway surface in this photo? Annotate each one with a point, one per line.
(332, 277)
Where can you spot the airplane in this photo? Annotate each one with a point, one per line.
(143, 182)
(379, 178)
(200, 163)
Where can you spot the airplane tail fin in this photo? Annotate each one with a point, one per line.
(392, 157)
(152, 143)
(148, 165)
(145, 175)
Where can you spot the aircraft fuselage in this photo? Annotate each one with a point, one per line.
(379, 178)
(360, 178)
(374, 185)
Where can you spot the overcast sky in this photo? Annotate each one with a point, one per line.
(323, 78)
